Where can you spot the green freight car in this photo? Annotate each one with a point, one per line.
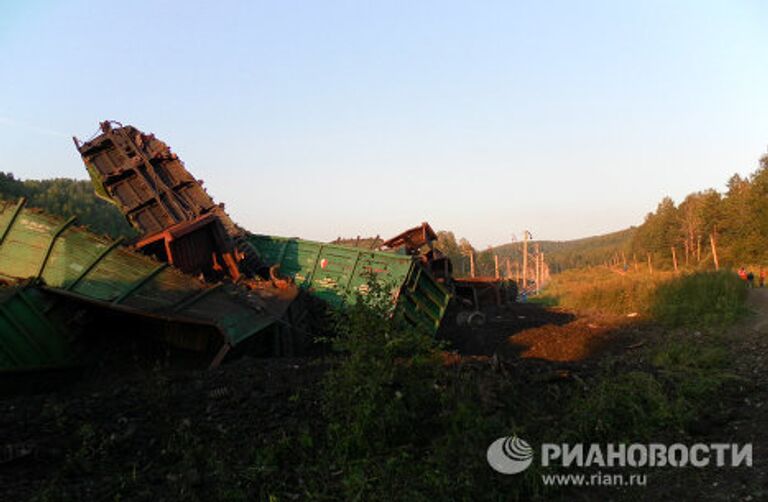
(30, 338)
(336, 273)
(72, 263)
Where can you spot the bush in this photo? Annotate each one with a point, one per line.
(397, 425)
(397, 421)
(385, 392)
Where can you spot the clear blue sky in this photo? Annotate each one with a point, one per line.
(323, 118)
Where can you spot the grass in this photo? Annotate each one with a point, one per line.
(622, 407)
(678, 376)
(702, 299)
(601, 290)
(396, 424)
(694, 299)
(661, 393)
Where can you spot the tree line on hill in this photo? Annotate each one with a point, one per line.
(67, 197)
(559, 255)
(736, 221)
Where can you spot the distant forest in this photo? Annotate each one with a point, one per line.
(737, 220)
(67, 197)
(559, 255)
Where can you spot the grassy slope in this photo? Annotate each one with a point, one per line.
(702, 298)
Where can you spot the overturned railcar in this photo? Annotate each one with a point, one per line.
(336, 273)
(32, 335)
(71, 262)
(178, 222)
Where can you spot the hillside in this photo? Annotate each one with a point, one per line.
(67, 197)
(733, 223)
(560, 255)
(563, 255)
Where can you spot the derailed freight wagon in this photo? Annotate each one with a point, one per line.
(73, 264)
(177, 221)
(34, 335)
(336, 273)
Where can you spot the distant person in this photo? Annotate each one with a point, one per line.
(750, 279)
(743, 274)
(762, 277)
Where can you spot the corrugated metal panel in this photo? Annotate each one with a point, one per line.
(336, 273)
(28, 339)
(75, 262)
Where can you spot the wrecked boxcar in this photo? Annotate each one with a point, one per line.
(71, 262)
(472, 295)
(33, 336)
(336, 273)
(177, 220)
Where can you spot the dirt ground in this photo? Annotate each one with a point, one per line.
(145, 424)
(123, 415)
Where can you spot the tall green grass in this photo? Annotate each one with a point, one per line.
(395, 425)
(676, 386)
(702, 299)
(697, 299)
(599, 290)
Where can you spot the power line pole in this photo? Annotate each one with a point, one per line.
(538, 267)
(526, 235)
